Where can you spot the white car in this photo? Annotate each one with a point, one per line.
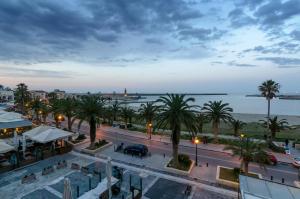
(296, 162)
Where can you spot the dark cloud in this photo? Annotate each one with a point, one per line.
(238, 18)
(277, 48)
(201, 34)
(153, 41)
(234, 63)
(276, 12)
(283, 62)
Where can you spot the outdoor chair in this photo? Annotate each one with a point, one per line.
(28, 178)
(75, 166)
(85, 170)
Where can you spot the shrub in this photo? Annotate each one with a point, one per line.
(275, 148)
(81, 137)
(236, 172)
(184, 160)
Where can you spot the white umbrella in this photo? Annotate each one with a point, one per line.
(4, 147)
(108, 176)
(67, 189)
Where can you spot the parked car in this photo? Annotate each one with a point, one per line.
(296, 162)
(137, 149)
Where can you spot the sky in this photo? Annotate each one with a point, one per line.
(150, 45)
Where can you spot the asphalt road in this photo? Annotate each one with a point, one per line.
(286, 171)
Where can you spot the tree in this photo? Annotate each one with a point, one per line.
(216, 112)
(127, 115)
(147, 112)
(68, 108)
(275, 125)
(90, 107)
(115, 109)
(56, 111)
(46, 110)
(175, 112)
(249, 151)
(269, 89)
(36, 107)
(201, 119)
(237, 125)
(22, 97)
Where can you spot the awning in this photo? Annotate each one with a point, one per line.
(15, 124)
(44, 134)
(10, 116)
(4, 147)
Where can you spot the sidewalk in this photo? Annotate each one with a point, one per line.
(185, 143)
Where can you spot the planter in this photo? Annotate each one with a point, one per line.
(177, 171)
(230, 183)
(79, 143)
(297, 184)
(93, 152)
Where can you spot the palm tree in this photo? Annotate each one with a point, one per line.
(269, 89)
(147, 112)
(175, 112)
(115, 109)
(46, 110)
(36, 106)
(127, 115)
(68, 108)
(22, 97)
(216, 112)
(56, 111)
(237, 125)
(249, 151)
(89, 109)
(275, 125)
(201, 119)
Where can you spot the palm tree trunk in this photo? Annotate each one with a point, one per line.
(92, 131)
(215, 131)
(69, 124)
(175, 154)
(126, 123)
(269, 106)
(246, 167)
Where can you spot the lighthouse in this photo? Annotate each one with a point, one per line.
(125, 92)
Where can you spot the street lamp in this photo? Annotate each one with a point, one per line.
(196, 142)
(149, 129)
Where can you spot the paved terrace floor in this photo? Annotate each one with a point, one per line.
(154, 184)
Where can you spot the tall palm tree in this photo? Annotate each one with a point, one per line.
(269, 90)
(36, 107)
(237, 126)
(56, 111)
(22, 97)
(249, 151)
(115, 109)
(90, 107)
(216, 112)
(147, 112)
(68, 108)
(275, 125)
(127, 115)
(46, 110)
(201, 119)
(175, 112)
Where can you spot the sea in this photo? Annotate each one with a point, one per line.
(243, 104)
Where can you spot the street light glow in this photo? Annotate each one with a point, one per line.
(197, 141)
(242, 135)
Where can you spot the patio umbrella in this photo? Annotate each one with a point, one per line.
(67, 189)
(108, 176)
(4, 147)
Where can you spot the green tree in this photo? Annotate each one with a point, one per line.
(89, 109)
(56, 111)
(249, 151)
(115, 109)
(45, 111)
(275, 125)
(201, 119)
(174, 112)
(148, 112)
(269, 90)
(36, 107)
(68, 108)
(127, 114)
(237, 126)
(217, 111)
(22, 97)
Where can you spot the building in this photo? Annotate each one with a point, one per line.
(6, 96)
(254, 188)
(38, 94)
(59, 94)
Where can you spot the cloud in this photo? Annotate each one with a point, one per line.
(234, 63)
(296, 35)
(201, 34)
(153, 41)
(286, 47)
(251, 4)
(238, 18)
(33, 73)
(282, 62)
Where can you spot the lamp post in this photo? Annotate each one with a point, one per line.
(196, 142)
(242, 136)
(149, 129)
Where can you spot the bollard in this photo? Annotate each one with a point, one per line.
(271, 178)
(207, 164)
(164, 155)
(77, 190)
(123, 197)
(282, 180)
(100, 176)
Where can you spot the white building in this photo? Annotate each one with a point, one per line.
(38, 94)
(60, 94)
(6, 95)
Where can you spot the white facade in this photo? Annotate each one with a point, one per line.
(39, 94)
(6, 96)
